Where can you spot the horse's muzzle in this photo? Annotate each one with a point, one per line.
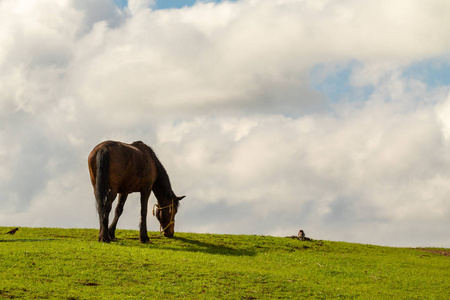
(169, 232)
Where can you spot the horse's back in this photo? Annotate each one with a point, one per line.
(131, 166)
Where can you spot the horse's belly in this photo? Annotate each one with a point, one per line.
(128, 189)
(132, 187)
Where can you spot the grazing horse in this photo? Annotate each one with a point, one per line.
(119, 168)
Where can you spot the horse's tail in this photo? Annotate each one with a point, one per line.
(102, 179)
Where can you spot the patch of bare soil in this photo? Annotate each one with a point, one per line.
(442, 252)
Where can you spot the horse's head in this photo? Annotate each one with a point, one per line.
(166, 216)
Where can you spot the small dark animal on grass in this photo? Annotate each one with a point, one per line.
(300, 236)
(12, 231)
(119, 168)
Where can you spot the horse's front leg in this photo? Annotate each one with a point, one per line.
(119, 210)
(143, 237)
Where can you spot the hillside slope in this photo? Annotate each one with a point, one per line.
(71, 264)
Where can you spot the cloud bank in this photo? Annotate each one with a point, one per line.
(234, 98)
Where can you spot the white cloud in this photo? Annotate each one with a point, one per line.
(375, 166)
(135, 6)
(222, 92)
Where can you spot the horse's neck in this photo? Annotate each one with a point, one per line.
(164, 197)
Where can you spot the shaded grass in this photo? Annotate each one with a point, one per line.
(71, 264)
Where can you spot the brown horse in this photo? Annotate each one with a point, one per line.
(119, 168)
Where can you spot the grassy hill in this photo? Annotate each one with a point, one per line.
(71, 264)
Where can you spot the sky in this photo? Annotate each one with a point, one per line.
(271, 116)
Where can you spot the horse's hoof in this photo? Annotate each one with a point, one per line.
(104, 240)
(145, 241)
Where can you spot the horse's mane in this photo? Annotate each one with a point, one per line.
(161, 187)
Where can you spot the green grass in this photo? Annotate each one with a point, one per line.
(71, 264)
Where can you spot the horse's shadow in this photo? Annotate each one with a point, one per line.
(191, 245)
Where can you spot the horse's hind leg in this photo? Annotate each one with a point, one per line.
(119, 210)
(103, 235)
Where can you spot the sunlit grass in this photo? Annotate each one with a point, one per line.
(71, 264)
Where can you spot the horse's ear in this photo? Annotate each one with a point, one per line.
(179, 198)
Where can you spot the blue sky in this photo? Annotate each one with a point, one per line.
(336, 84)
(434, 72)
